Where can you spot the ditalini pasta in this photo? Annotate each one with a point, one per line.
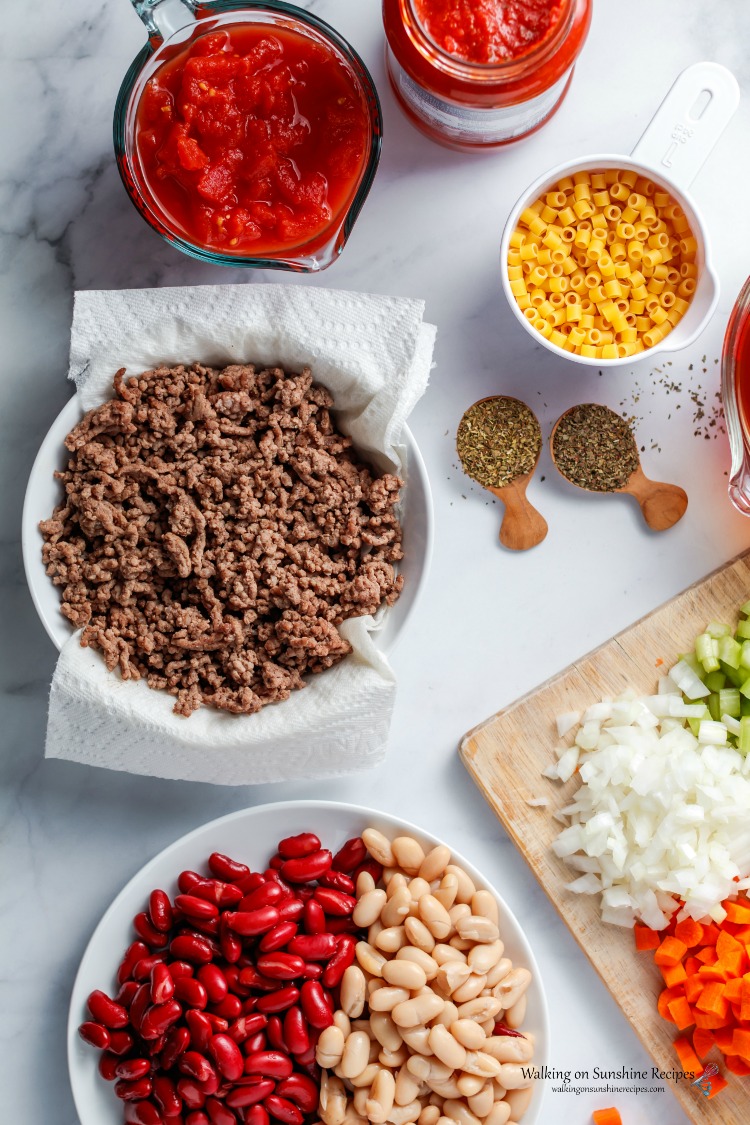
(603, 264)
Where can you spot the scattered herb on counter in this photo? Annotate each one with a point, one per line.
(594, 447)
(498, 440)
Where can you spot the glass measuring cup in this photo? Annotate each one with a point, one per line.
(173, 28)
(735, 392)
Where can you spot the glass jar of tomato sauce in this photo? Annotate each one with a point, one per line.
(735, 389)
(478, 74)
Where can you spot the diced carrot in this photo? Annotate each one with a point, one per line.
(712, 972)
(646, 938)
(725, 943)
(708, 956)
(710, 934)
(692, 964)
(745, 1001)
(670, 952)
(606, 1117)
(741, 1043)
(709, 1020)
(712, 999)
(681, 1014)
(687, 1056)
(734, 963)
(737, 912)
(742, 933)
(717, 1085)
(693, 987)
(673, 974)
(736, 1065)
(733, 990)
(665, 997)
(703, 1041)
(723, 1037)
(689, 931)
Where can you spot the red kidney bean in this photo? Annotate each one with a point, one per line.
(108, 1066)
(127, 993)
(279, 1000)
(219, 1113)
(230, 1008)
(341, 926)
(156, 1046)
(350, 856)
(335, 902)
(106, 1011)
(191, 1093)
(190, 947)
(142, 969)
(250, 978)
(312, 971)
(232, 977)
(200, 1029)
(178, 1041)
(133, 1091)
(316, 1008)
(278, 937)
(120, 1042)
(95, 1034)
(181, 969)
(304, 891)
(214, 982)
(266, 895)
(162, 985)
(340, 962)
(212, 1084)
(275, 862)
(249, 1005)
(159, 1019)
(313, 947)
(197, 1117)
(338, 881)
(255, 1043)
(272, 875)
(227, 1056)
(191, 992)
(296, 1035)
(133, 1069)
(280, 966)
(290, 909)
(196, 1066)
(275, 1034)
(160, 911)
(301, 1090)
(372, 867)
(269, 1064)
(246, 1026)
(241, 1096)
(186, 880)
(141, 1001)
(252, 922)
(223, 867)
(230, 944)
(218, 1023)
(148, 933)
(194, 931)
(195, 907)
(283, 1110)
(206, 927)
(249, 882)
(294, 847)
(142, 1113)
(165, 1094)
(308, 868)
(133, 955)
(314, 918)
(256, 1115)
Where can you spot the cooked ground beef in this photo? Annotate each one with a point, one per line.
(216, 528)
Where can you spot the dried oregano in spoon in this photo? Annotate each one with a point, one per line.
(498, 440)
(594, 448)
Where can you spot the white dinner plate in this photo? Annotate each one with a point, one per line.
(250, 836)
(43, 493)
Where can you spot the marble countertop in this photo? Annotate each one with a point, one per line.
(491, 624)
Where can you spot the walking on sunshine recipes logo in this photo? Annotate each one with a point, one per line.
(625, 1079)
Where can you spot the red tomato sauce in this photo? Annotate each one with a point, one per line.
(253, 139)
(489, 31)
(742, 374)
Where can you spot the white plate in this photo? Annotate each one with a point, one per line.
(43, 493)
(251, 836)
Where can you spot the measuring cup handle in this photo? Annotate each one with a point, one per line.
(163, 17)
(689, 122)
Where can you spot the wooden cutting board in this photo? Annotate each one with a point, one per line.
(506, 756)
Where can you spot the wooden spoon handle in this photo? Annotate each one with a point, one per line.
(662, 504)
(523, 526)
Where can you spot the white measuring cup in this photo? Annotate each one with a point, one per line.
(680, 136)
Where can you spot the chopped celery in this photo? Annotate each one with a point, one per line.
(745, 689)
(729, 651)
(714, 706)
(743, 630)
(707, 651)
(743, 744)
(692, 662)
(745, 609)
(715, 681)
(735, 676)
(745, 654)
(716, 629)
(729, 702)
(744, 706)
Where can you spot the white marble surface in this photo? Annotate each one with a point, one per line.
(492, 624)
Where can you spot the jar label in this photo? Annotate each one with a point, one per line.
(476, 126)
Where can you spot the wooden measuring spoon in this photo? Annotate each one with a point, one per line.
(662, 504)
(522, 526)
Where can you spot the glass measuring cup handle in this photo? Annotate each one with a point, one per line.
(163, 17)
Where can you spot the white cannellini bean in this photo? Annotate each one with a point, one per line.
(378, 846)
(385, 1031)
(464, 944)
(466, 888)
(446, 1089)
(470, 988)
(469, 1084)
(330, 1047)
(473, 927)
(446, 1048)
(393, 1059)
(391, 939)
(427, 964)
(459, 910)
(409, 853)
(332, 1106)
(360, 1100)
(449, 1014)
(481, 1103)
(407, 1086)
(386, 998)
(509, 1048)
(342, 1022)
(419, 1010)
(369, 958)
(498, 972)
(451, 975)
(418, 1039)
(499, 1114)
(380, 1102)
(468, 1033)
(395, 880)
(484, 957)
(442, 953)
(353, 991)
(365, 884)
(405, 974)
(368, 908)
(429, 1115)
(512, 987)
(417, 888)
(515, 1016)
(403, 1114)
(419, 1066)
(396, 908)
(435, 917)
(485, 905)
(419, 935)
(477, 1062)
(356, 1054)
(481, 1009)
(460, 1112)
(519, 1101)
(434, 863)
(512, 1076)
(447, 891)
(366, 1078)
